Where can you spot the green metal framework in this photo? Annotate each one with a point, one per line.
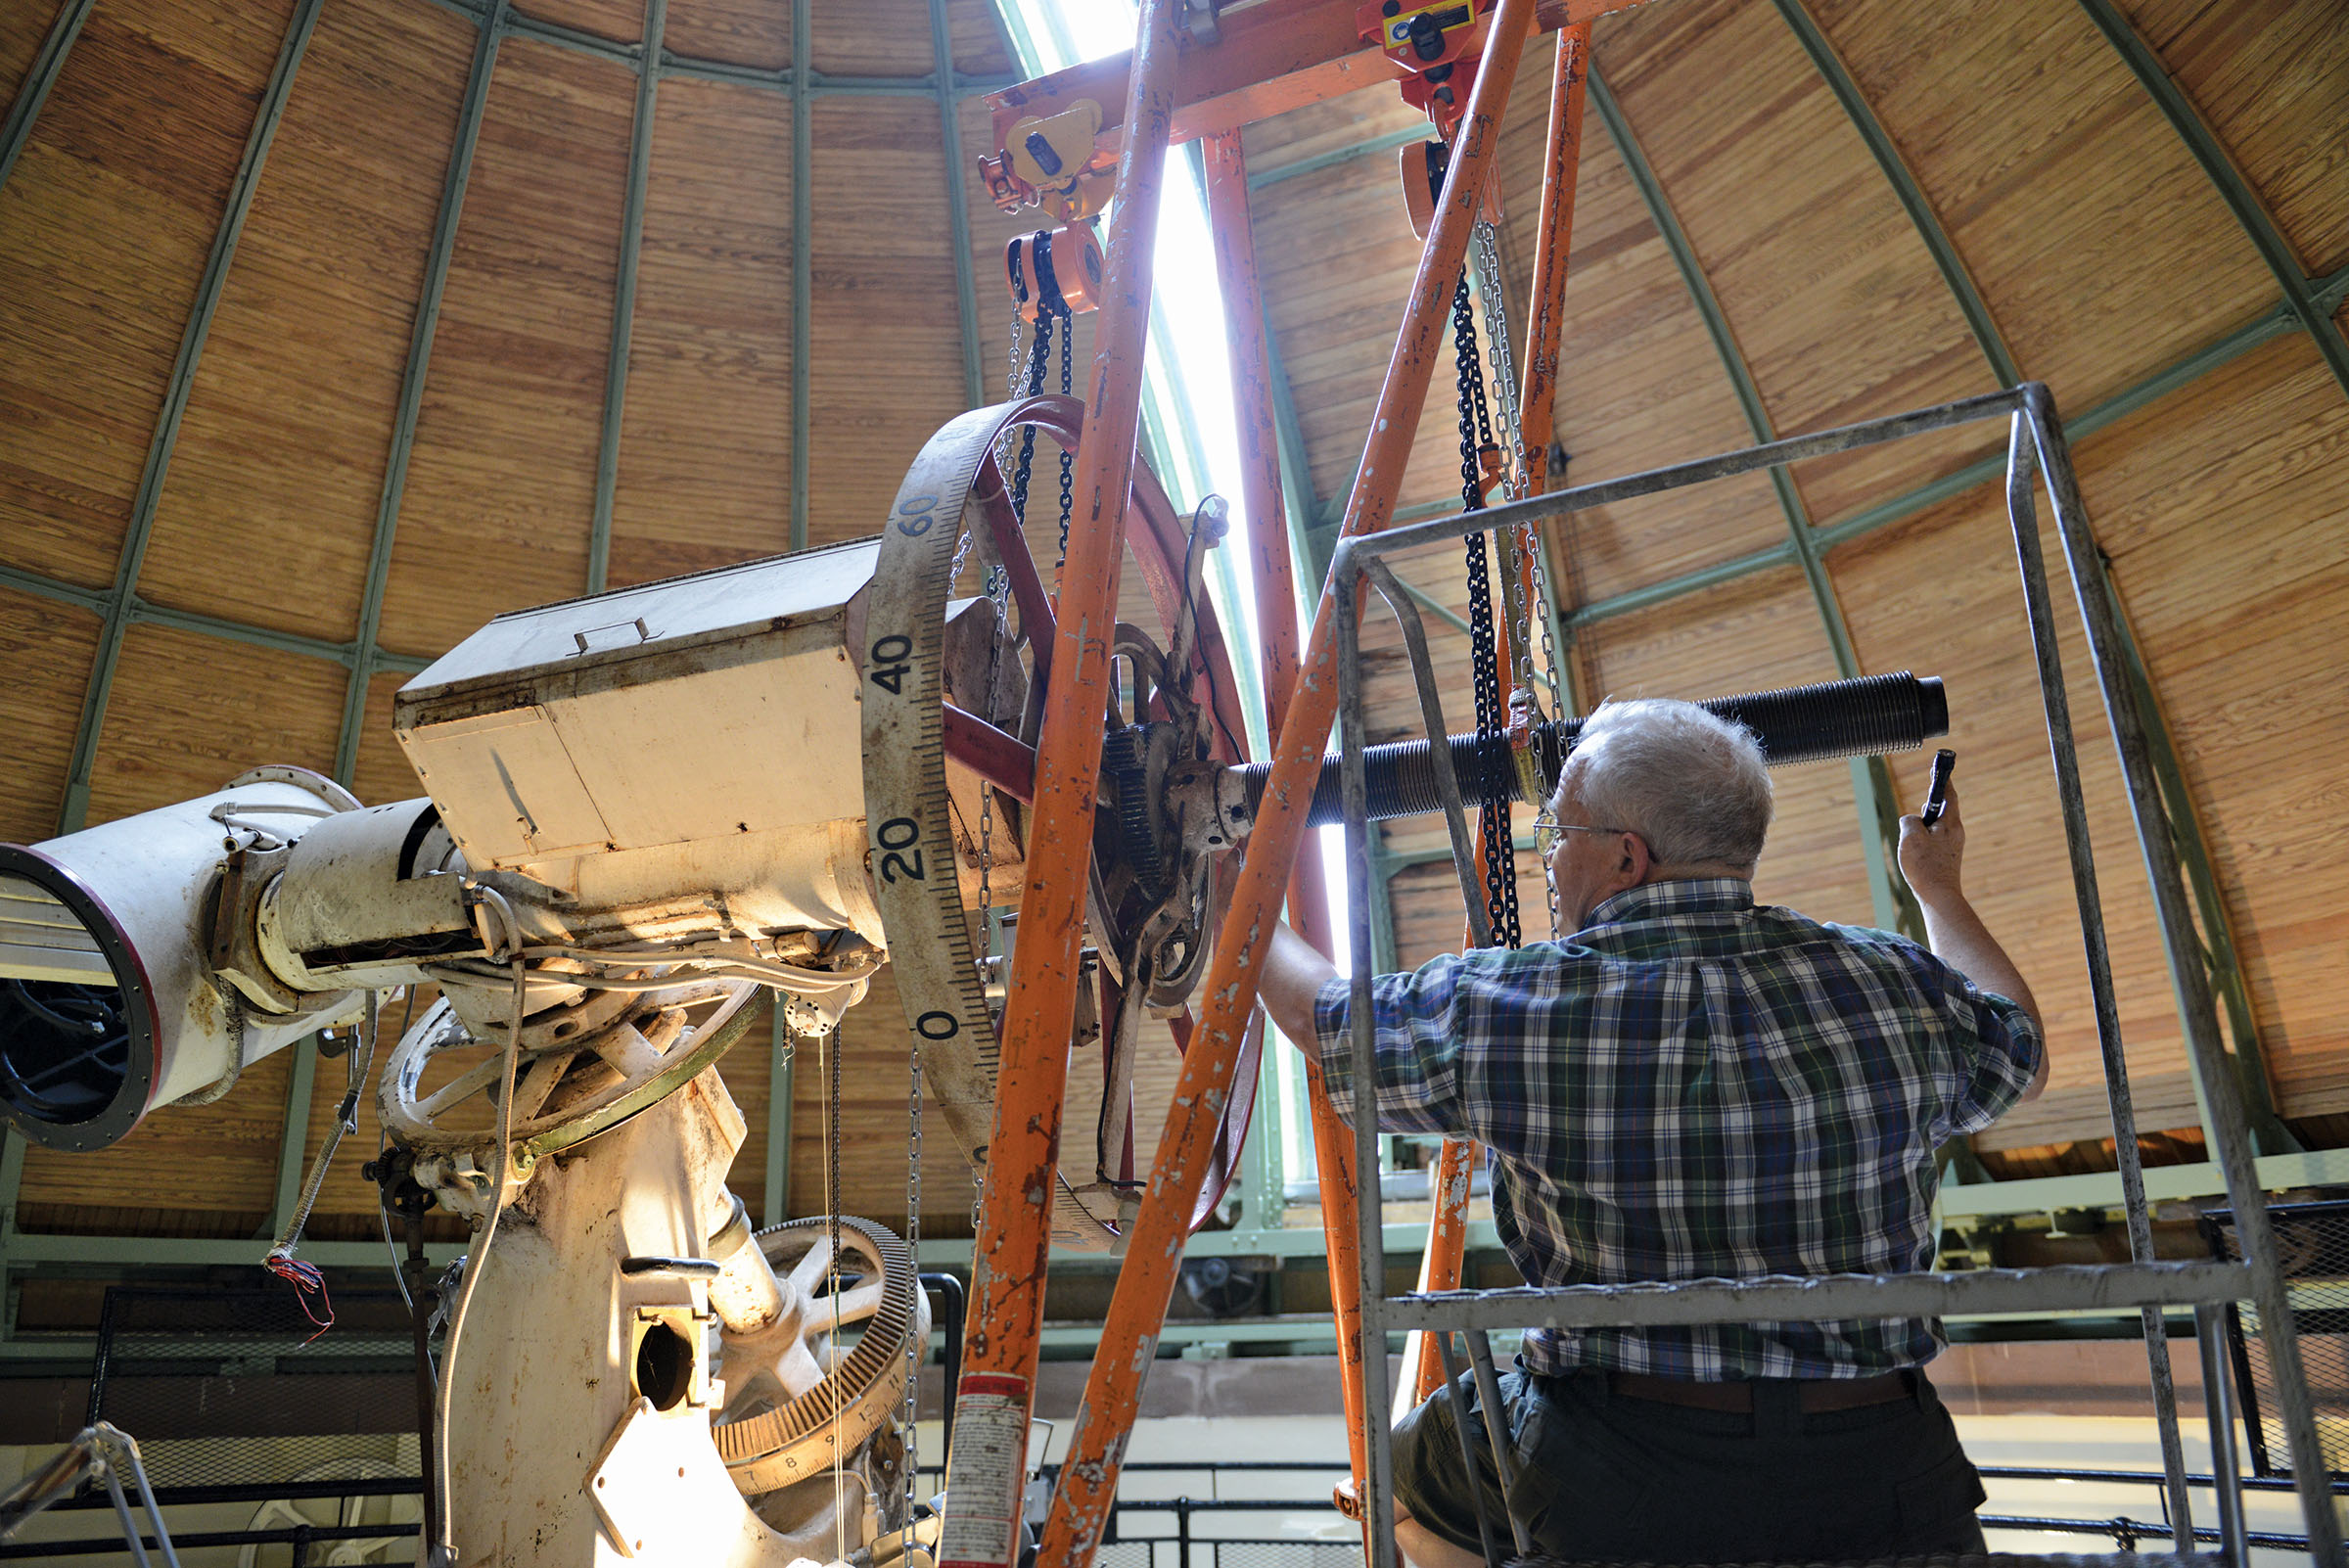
(39, 78)
(623, 301)
(2218, 949)
(1872, 782)
(2307, 304)
(2300, 292)
(958, 206)
(175, 399)
(411, 387)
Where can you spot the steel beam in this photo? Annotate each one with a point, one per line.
(411, 387)
(1872, 781)
(39, 78)
(141, 528)
(1451, 617)
(41, 586)
(802, 270)
(623, 301)
(142, 611)
(2218, 956)
(12, 1182)
(958, 208)
(2066, 1287)
(1295, 476)
(2236, 191)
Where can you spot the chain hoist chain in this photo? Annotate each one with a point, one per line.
(1504, 368)
(1516, 475)
(1067, 458)
(1045, 322)
(1476, 434)
(1517, 483)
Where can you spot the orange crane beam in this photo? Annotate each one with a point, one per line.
(1266, 59)
(1014, 1234)
(1089, 1477)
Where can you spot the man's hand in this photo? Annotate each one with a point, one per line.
(1931, 856)
(1931, 859)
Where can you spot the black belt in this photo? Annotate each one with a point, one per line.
(1813, 1394)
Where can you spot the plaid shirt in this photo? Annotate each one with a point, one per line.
(1696, 1087)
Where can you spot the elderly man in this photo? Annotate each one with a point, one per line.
(1694, 1085)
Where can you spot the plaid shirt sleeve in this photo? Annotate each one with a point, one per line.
(2004, 1052)
(1418, 1032)
(1992, 1047)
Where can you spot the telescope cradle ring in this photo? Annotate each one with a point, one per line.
(914, 822)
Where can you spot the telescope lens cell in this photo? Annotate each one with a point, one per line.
(76, 1036)
(64, 1048)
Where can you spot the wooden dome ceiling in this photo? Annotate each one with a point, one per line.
(331, 328)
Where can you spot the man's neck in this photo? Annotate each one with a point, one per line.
(1698, 871)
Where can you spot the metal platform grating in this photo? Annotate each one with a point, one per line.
(2312, 1243)
(237, 1387)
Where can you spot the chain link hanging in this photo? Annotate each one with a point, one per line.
(1492, 718)
(1517, 483)
(1067, 458)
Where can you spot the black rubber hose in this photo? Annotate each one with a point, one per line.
(1795, 724)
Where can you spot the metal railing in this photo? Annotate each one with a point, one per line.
(2036, 450)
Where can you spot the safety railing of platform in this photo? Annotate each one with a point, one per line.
(2036, 450)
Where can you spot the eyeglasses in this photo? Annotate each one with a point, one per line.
(1546, 829)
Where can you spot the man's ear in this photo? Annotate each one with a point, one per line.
(1633, 868)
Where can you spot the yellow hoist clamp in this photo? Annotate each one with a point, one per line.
(1056, 163)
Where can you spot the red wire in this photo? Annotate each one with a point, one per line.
(307, 1280)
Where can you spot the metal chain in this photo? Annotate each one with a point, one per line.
(1517, 484)
(1067, 458)
(1505, 369)
(1517, 475)
(1492, 720)
(1045, 321)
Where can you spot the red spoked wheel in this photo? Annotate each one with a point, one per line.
(953, 699)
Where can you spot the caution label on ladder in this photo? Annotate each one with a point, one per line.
(984, 1471)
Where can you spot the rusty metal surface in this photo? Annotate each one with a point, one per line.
(1014, 1235)
(1269, 58)
(2071, 1287)
(1546, 324)
(1089, 1476)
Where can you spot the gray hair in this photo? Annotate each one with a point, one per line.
(1691, 783)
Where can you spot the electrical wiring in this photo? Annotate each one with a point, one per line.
(446, 1548)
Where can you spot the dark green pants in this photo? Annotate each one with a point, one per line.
(1606, 1477)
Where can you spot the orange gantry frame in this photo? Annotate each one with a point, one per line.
(1089, 1476)
(1270, 57)
(1003, 1334)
